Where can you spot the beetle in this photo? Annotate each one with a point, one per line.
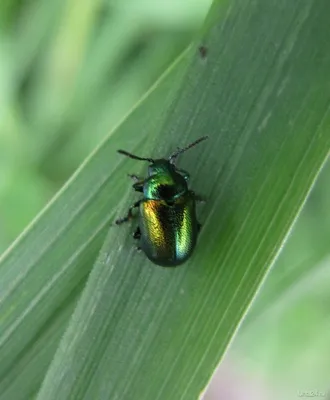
(168, 227)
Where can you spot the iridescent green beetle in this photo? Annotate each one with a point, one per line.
(168, 226)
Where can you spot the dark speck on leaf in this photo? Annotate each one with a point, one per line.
(203, 51)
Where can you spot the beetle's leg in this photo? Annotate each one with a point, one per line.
(184, 173)
(129, 214)
(134, 177)
(138, 185)
(199, 227)
(198, 198)
(137, 233)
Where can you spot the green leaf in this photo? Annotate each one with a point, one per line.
(293, 304)
(141, 331)
(53, 258)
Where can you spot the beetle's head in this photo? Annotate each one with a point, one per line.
(160, 167)
(165, 181)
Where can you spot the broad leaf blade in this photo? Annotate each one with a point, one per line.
(52, 259)
(140, 331)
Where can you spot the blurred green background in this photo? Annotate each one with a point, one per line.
(69, 72)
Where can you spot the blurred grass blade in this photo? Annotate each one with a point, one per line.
(51, 260)
(140, 331)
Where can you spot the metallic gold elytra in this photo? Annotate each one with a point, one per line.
(168, 230)
(153, 224)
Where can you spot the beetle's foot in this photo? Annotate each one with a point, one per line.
(129, 215)
(134, 177)
(199, 227)
(138, 249)
(120, 221)
(137, 233)
(138, 182)
(200, 199)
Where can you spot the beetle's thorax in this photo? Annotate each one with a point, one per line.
(164, 182)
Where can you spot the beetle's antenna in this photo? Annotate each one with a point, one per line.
(173, 156)
(126, 153)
